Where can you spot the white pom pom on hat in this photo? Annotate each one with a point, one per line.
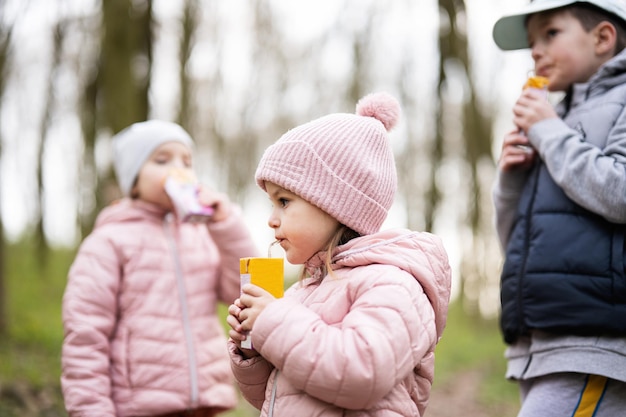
(342, 163)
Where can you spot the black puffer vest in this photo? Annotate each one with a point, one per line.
(564, 268)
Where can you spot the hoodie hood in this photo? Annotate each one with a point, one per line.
(129, 210)
(420, 254)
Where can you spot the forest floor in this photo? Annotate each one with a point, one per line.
(458, 396)
(461, 396)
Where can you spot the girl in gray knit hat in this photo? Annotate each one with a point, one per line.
(142, 335)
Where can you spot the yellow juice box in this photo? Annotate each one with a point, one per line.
(266, 273)
(536, 81)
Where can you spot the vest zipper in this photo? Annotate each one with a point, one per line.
(522, 273)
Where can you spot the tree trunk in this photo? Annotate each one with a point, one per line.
(41, 244)
(189, 25)
(476, 141)
(5, 43)
(123, 78)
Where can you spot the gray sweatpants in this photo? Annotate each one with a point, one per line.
(572, 395)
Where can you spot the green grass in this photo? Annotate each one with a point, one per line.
(470, 343)
(30, 356)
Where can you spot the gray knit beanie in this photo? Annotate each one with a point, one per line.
(134, 145)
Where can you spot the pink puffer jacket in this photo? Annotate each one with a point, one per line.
(142, 335)
(357, 342)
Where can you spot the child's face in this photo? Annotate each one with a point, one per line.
(562, 50)
(151, 178)
(301, 228)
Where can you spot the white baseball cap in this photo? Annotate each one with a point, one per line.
(509, 32)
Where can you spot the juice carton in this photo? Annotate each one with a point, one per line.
(538, 83)
(182, 189)
(267, 273)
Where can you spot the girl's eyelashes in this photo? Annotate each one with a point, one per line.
(164, 160)
(279, 202)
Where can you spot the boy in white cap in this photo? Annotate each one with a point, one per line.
(560, 200)
(142, 334)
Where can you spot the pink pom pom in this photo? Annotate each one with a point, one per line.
(381, 106)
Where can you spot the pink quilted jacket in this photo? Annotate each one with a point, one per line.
(142, 336)
(359, 342)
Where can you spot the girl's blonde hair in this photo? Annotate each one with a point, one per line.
(342, 236)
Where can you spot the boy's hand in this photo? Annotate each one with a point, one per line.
(531, 107)
(219, 201)
(516, 152)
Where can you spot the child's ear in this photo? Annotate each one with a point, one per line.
(606, 37)
(134, 192)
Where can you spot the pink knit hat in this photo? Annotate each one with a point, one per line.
(341, 163)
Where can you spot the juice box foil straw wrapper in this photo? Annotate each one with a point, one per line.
(182, 189)
(266, 273)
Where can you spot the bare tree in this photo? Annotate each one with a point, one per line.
(41, 244)
(5, 54)
(189, 26)
(115, 89)
(476, 143)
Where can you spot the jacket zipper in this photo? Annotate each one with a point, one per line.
(522, 273)
(182, 295)
(270, 412)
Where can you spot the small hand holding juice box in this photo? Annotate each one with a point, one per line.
(266, 273)
(538, 83)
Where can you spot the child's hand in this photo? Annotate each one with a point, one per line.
(219, 201)
(236, 333)
(516, 152)
(254, 299)
(531, 107)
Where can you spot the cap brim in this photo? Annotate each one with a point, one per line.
(509, 32)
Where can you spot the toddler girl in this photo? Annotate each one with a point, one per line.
(356, 336)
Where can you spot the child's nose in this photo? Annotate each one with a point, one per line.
(536, 51)
(273, 221)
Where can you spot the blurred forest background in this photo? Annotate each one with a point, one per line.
(237, 74)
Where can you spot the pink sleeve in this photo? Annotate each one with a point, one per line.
(89, 319)
(355, 362)
(251, 375)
